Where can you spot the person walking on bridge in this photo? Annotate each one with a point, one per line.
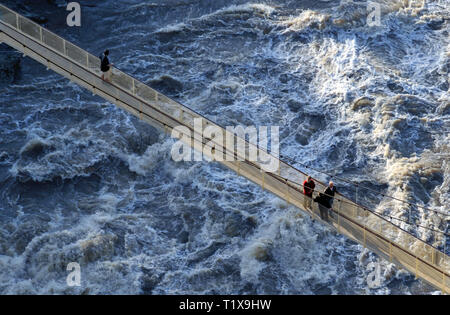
(308, 189)
(105, 66)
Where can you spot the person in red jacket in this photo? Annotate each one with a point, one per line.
(308, 189)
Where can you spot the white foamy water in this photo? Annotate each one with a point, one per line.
(83, 181)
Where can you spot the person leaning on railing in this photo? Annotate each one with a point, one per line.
(325, 200)
(329, 193)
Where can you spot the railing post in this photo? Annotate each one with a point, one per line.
(339, 216)
(40, 32)
(262, 184)
(390, 252)
(17, 22)
(445, 245)
(443, 282)
(417, 267)
(287, 191)
(364, 233)
(433, 254)
(409, 219)
(445, 250)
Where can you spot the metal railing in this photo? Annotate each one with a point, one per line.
(360, 224)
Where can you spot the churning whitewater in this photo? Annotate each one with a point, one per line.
(83, 181)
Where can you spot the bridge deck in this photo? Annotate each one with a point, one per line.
(356, 222)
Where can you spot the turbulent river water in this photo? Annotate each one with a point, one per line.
(83, 181)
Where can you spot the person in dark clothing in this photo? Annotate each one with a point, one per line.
(325, 200)
(329, 193)
(106, 66)
(323, 206)
(308, 189)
